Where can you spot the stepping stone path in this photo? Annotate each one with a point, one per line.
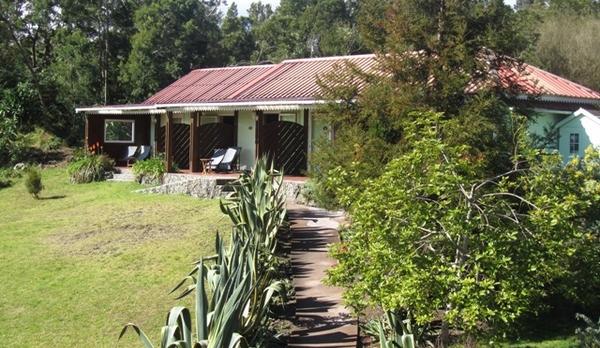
(321, 319)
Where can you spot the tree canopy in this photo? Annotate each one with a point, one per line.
(69, 53)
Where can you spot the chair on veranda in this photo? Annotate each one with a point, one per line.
(131, 154)
(230, 160)
(216, 159)
(144, 153)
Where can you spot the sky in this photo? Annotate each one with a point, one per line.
(243, 5)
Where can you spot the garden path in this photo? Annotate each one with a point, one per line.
(321, 320)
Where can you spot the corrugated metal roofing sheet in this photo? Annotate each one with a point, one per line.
(296, 79)
(209, 85)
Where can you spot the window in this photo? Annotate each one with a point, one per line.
(119, 131)
(289, 117)
(574, 143)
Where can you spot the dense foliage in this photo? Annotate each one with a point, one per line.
(432, 54)
(150, 171)
(33, 181)
(436, 237)
(234, 288)
(87, 167)
(563, 37)
(8, 176)
(59, 54)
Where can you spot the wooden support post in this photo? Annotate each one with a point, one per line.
(257, 135)
(236, 116)
(86, 142)
(306, 142)
(169, 142)
(194, 143)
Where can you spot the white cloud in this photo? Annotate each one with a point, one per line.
(244, 5)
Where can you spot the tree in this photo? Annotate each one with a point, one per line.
(29, 25)
(434, 237)
(431, 54)
(567, 43)
(172, 37)
(33, 182)
(569, 46)
(102, 30)
(302, 28)
(258, 13)
(238, 42)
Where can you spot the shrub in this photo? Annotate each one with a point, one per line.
(87, 167)
(7, 175)
(43, 140)
(150, 171)
(33, 182)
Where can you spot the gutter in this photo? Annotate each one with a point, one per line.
(558, 99)
(283, 105)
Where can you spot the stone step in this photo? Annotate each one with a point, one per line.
(122, 177)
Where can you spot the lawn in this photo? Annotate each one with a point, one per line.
(86, 259)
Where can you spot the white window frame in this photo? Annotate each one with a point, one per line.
(284, 115)
(120, 141)
(574, 144)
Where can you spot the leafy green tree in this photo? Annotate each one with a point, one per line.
(567, 42)
(29, 26)
(301, 28)
(434, 237)
(569, 46)
(238, 42)
(258, 13)
(172, 37)
(431, 54)
(95, 35)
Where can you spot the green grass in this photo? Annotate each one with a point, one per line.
(567, 342)
(86, 259)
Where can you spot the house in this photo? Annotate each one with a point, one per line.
(272, 110)
(577, 132)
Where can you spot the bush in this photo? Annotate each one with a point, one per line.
(43, 140)
(150, 171)
(33, 182)
(87, 167)
(7, 175)
(11, 144)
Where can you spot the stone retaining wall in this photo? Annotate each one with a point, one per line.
(197, 187)
(211, 187)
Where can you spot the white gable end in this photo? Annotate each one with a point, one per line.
(577, 132)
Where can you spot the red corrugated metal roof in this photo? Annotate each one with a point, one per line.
(210, 85)
(296, 79)
(535, 81)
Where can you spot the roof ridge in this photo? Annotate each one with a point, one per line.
(254, 66)
(312, 59)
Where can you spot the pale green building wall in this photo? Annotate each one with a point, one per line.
(541, 122)
(589, 135)
(320, 129)
(246, 138)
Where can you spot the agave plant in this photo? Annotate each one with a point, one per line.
(240, 278)
(589, 336)
(391, 331)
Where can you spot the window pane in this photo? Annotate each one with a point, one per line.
(574, 143)
(118, 130)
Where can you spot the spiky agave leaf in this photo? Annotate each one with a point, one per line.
(141, 335)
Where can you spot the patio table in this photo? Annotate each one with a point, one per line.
(205, 165)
